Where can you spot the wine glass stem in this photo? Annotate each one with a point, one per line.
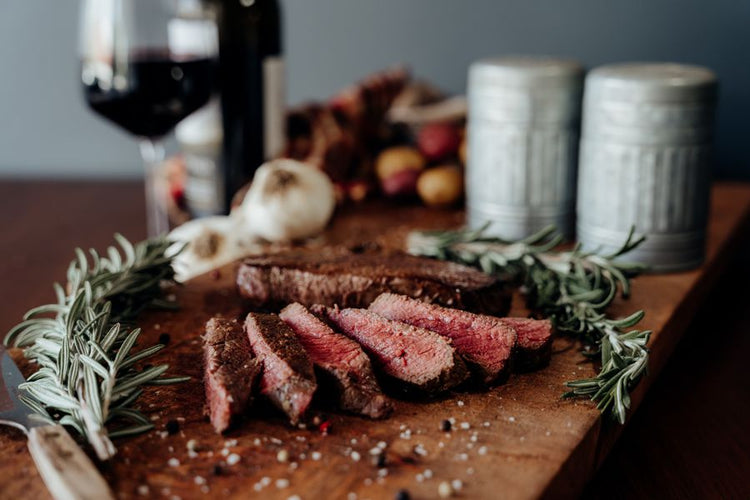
(152, 151)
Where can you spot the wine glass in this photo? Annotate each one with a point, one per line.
(146, 65)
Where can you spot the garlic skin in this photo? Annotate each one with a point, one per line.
(208, 243)
(288, 200)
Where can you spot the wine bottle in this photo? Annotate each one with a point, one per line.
(251, 74)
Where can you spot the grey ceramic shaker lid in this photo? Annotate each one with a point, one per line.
(652, 82)
(525, 71)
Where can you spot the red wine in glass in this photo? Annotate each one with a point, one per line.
(146, 65)
(160, 92)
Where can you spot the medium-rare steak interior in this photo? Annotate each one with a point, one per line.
(340, 277)
(534, 346)
(418, 357)
(230, 370)
(342, 359)
(288, 379)
(485, 342)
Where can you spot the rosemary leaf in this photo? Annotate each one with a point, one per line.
(88, 377)
(573, 288)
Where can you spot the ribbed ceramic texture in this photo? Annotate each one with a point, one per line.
(645, 161)
(523, 139)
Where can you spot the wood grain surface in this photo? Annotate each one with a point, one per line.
(534, 443)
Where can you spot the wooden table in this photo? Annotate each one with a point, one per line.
(689, 437)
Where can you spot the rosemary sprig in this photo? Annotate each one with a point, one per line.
(87, 377)
(573, 288)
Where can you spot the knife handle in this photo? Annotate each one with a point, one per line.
(66, 470)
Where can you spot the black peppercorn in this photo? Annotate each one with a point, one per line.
(172, 427)
(217, 470)
(403, 495)
(379, 460)
(164, 338)
(445, 425)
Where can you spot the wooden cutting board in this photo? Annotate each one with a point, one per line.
(518, 440)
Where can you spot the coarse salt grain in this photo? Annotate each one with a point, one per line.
(256, 441)
(355, 456)
(293, 466)
(230, 443)
(457, 484)
(225, 452)
(460, 403)
(375, 451)
(143, 490)
(173, 462)
(427, 473)
(316, 455)
(382, 472)
(233, 459)
(282, 483)
(265, 481)
(257, 486)
(420, 450)
(294, 497)
(482, 450)
(465, 425)
(441, 444)
(353, 441)
(205, 489)
(282, 456)
(276, 441)
(301, 439)
(419, 478)
(470, 471)
(486, 424)
(199, 480)
(511, 419)
(351, 496)
(474, 438)
(445, 490)
(382, 445)
(463, 456)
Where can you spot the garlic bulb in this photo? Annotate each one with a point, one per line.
(288, 200)
(208, 243)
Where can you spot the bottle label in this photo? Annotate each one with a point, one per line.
(274, 101)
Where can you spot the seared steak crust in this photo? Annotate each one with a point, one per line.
(230, 370)
(288, 378)
(337, 276)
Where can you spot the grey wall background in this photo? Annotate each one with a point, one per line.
(45, 130)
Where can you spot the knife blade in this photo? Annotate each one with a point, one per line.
(65, 469)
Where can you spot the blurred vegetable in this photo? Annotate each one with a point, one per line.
(396, 159)
(441, 186)
(438, 141)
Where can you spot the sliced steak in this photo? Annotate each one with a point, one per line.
(337, 276)
(534, 346)
(288, 379)
(230, 370)
(485, 342)
(419, 357)
(342, 359)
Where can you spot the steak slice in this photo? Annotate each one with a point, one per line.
(419, 357)
(342, 359)
(485, 342)
(534, 346)
(288, 378)
(338, 276)
(230, 370)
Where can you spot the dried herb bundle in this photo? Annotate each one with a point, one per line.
(87, 377)
(573, 288)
